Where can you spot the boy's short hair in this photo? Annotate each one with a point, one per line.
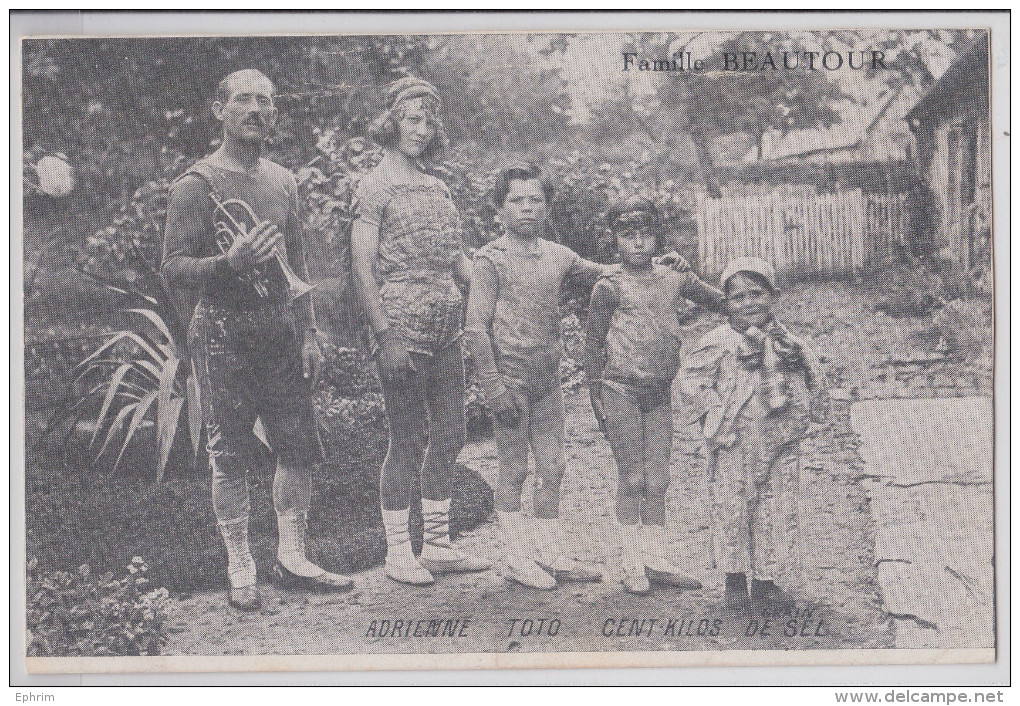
(637, 205)
(520, 171)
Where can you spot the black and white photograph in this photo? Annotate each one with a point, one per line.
(509, 350)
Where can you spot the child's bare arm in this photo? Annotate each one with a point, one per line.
(699, 291)
(586, 269)
(481, 308)
(604, 300)
(462, 271)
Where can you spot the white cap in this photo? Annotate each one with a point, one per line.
(749, 264)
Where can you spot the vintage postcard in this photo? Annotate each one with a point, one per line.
(516, 350)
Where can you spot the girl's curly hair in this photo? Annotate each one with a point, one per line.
(385, 129)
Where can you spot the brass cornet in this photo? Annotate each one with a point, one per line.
(230, 225)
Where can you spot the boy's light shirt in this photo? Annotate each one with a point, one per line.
(513, 321)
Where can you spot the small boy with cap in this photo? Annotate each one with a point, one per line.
(754, 385)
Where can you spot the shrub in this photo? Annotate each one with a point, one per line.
(904, 286)
(144, 383)
(82, 613)
(479, 420)
(350, 406)
(328, 185)
(131, 244)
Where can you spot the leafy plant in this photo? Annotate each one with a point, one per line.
(141, 376)
(328, 184)
(81, 613)
(130, 245)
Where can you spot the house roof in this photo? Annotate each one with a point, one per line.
(847, 134)
(964, 77)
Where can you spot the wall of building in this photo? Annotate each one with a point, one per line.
(960, 175)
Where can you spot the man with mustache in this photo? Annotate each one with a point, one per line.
(255, 354)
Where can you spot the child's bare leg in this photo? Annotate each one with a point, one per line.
(626, 437)
(625, 430)
(657, 555)
(546, 438)
(406, 414)
(447, 425)
(444, 378)
(546, 435)
(512, 445)
(658, 447)
(518, 540)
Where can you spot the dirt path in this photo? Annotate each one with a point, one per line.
(839, 606)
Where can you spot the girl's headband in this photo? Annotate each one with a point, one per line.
(428, 95)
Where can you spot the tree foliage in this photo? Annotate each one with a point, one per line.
(694, 107)
(503, 92)
(124, 109)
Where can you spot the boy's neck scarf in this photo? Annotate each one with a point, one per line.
(757, 351)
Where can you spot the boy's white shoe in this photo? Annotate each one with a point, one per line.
(401, 563)
(554, 558)
(528, 573)
(518, 566)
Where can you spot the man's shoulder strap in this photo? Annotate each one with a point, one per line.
(205, 171)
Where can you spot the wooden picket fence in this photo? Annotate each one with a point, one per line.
(802, 234)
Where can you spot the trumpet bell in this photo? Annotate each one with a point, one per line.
(236, 217)
(297, 287)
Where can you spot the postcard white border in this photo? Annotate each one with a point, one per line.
(884, 667)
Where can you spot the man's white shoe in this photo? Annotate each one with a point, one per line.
(292, 567)
(244, 593)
